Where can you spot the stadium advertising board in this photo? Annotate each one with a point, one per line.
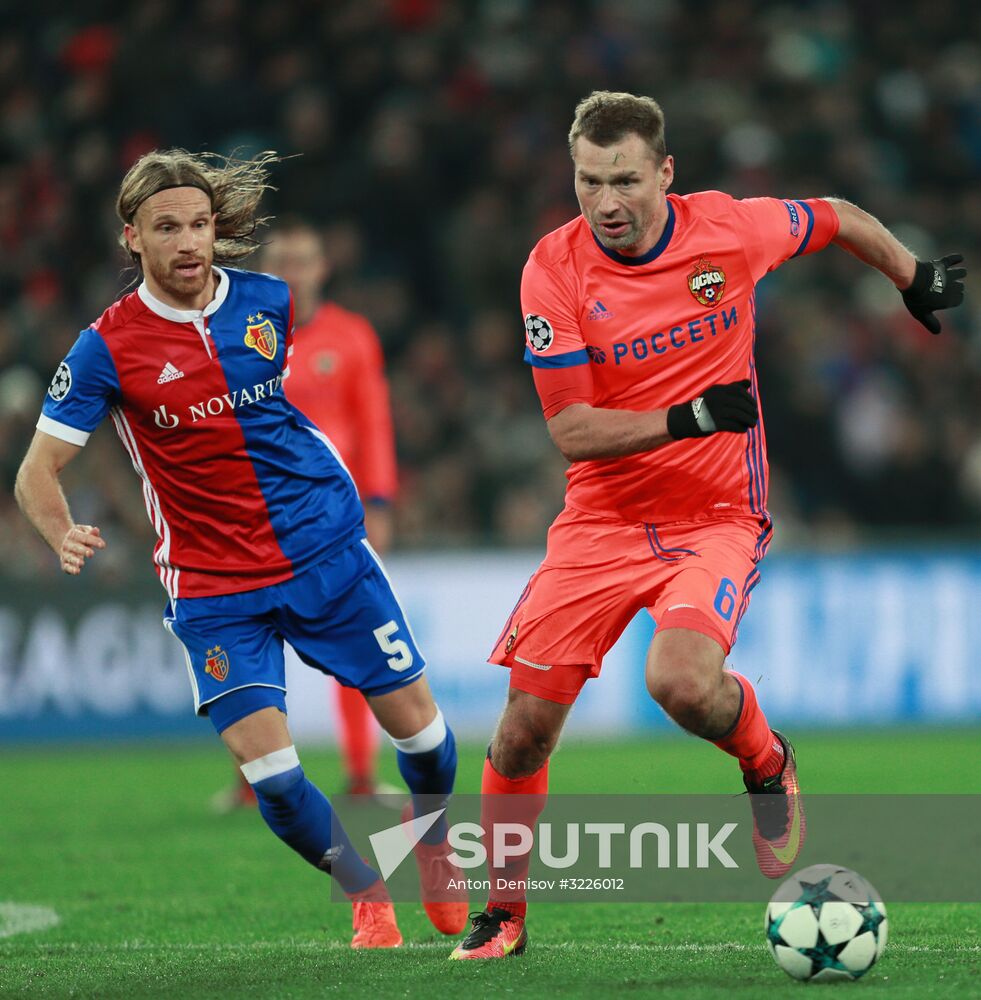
(835, 640)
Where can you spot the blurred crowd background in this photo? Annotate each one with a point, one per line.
(433, 157)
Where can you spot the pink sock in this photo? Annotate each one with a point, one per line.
(512, 800)
(750, 740)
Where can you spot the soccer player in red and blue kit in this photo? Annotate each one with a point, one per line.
(640, 326)
(260, 530)
(337, 379)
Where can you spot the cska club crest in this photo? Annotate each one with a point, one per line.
(216, 663)
(261, 335)
(706, 282)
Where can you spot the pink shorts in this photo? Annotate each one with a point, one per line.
(599, 572)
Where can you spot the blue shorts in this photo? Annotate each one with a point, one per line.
(341, 616)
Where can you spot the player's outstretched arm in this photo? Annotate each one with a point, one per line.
(584, 433)
(926, 285)
(39, 494)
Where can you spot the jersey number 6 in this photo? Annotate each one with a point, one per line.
(401, 658)
(725, 599)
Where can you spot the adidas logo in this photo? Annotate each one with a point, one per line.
(599, 311)
(169, 374)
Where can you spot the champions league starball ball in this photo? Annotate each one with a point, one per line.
(826, 923)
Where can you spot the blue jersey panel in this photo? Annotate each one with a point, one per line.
(357, 633)
(85, 386)
(312, 501)
(341, 616)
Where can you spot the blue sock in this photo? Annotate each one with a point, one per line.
(427, 763)
(300, 815)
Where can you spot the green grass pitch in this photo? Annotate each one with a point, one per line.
(158, 897)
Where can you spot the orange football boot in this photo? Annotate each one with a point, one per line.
(494, 934)
(445, 907)
(778, 816)
(374, 919)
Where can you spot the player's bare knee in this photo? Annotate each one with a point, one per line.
(683, 675)
(405, 712)
(256, 735)
(687, 695)
(515, 754)
(521, 746)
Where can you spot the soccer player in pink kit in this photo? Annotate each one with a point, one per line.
(640, 325)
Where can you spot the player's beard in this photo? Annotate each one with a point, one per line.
(637, 226)
(183, 288)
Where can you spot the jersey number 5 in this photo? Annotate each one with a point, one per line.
(401, 658)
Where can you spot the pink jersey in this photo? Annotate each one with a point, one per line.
(643, 333)
(337, 378)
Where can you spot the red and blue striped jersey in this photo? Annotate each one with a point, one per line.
(643, 333)
(242, 489)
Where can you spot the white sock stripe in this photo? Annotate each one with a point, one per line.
(277, 762)
(426, 739)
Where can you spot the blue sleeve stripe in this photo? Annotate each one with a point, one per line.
(567, 360)
(809, 212)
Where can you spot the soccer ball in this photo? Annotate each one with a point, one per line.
(825, 923)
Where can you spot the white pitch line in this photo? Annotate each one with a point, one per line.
(20, 918)
(623, 946)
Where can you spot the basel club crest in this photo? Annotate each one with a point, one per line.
(216, 663)
(707, 282)
(261, 335)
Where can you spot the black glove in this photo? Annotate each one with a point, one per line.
(937, 284)
(719, 408)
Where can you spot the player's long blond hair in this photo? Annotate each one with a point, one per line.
(234, 186)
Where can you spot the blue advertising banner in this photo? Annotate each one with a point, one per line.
(860, 638)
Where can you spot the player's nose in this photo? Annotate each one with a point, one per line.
(188, 240)
(608, 202)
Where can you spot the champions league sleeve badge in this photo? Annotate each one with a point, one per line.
(261, 334)
(539, 330)
(61, 383)
(706, 282)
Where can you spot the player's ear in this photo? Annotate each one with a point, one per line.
(132, 238)
(666, 171)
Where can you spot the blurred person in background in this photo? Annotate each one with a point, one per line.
(640, 329)
(337, 379)
(260, 528)
(828, 99)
